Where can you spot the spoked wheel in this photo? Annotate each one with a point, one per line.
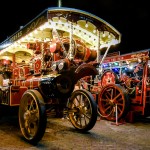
(109, 77)
(32, 116)
(82, 110)
(111, 97)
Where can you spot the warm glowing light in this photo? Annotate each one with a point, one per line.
(6, 57)
(94, 31)
(86, 25)
(35, 31)
(104, 35)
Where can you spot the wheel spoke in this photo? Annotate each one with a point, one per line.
(117, 96)
(106, 109)
(120, 104)
(31, 105)
(87, 113)
(118, 100)
(107, 97)
(119, 109)
(75, 102)
(109, 94)
(87, 116)
(81, 100)
(78, 99)
(105, 100)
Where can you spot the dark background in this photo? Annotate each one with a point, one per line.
(129, 17)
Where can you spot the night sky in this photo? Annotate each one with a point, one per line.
(131, 18)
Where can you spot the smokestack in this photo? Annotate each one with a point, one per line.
(59, 3)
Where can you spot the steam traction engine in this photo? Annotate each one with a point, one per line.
(43, 61)
(127, 86)
(122, 90)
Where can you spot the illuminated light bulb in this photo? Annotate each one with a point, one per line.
(31, 34)
(104, 35)
(127, 62)
(15, 44)
(139, 60)
(28, 38)
(131, 67)
(53, 24)
(46, 25)
(114, 42)
(86, 25)
(116, 64)
(59, 21)
(6, 57)
(66, 24)
(94, 31)
(41, 28)
(19, 41)
(35, 31)
(46, 39)
(22, 39)
(34, 39)
(77, 26)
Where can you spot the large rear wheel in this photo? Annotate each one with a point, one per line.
(82, 110)
(32, 116)
(113, 96)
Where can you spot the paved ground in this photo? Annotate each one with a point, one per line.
(61, 135)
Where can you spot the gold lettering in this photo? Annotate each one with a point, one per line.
(35, 24)
(16, 36)
(137, 55)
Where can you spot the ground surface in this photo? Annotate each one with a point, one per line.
(61, 135)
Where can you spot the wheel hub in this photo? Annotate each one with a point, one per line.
(30, 120)
(82, 109)
(111, 102)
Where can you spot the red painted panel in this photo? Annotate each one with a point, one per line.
(15, 97)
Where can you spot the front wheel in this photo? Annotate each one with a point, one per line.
(32, 116)
(82, 110)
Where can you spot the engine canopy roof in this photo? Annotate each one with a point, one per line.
(90, 29)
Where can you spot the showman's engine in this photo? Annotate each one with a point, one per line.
(42, 63)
